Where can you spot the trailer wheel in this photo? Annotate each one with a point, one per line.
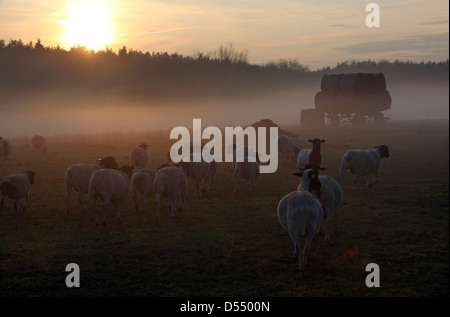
(334, 120)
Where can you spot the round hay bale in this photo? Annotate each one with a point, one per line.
(330, 82)
(376, 102)
(312, 118)
(324, 101)
(383, 101)
(376, 82)
(353, 82)
(343, 102)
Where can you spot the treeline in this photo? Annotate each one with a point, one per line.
(226, 72)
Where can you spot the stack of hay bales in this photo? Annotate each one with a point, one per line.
(363, 93)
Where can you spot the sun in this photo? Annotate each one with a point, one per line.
(88, 24)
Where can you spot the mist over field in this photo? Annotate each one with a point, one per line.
(50, 91)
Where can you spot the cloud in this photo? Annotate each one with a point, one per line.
(427, 42)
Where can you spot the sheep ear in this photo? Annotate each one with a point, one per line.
(299, 174)
(322, 169)
(310, 140)
(322, 140)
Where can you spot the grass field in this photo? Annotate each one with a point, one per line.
(227, 244)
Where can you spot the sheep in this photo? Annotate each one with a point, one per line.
(170, 183)
(77, 177)
(139, 156)
(248, 171)
(38, 143)
(198, 147)
(363, 163)
(4, 148)
(110, 186)
(198, 171)
(310, 156)
(287, 147)
(330, 197)
(300, 214)
(108, 162)
(17, 186)
(142, 183)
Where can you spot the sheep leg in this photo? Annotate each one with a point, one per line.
(17, 206)
(94, 209)
(134, 199)
(298, 254)
(197, 189)
(143, 201)
(183, 198)
(158, 204)
(119, 209)
(309, 238)
(80, 199)
(357, 182)
(172, 206)
(24, 208)
(105, 205)
(250, 186)
(374, 180)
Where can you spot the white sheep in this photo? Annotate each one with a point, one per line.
(110, 186)
(169, 184)
(17, 186)
(4, 148)
(363, 163)
(310, 156)
(287, 147)
(300, 213)
(330, 197)
(198, 171)
(77, 178)
(139, 156)
(38, 143)
(142, 183)
(248, 171)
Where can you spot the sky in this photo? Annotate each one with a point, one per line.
(316, 33)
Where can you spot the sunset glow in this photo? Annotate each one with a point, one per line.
(87, 24)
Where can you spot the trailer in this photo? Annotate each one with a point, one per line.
(355, 97)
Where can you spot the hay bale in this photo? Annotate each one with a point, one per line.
(330, 82)
(376, 83)
(324, 100)
(383, 101)
(353, 82)
(350, 101)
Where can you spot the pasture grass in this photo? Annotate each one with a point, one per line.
(225, 244)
